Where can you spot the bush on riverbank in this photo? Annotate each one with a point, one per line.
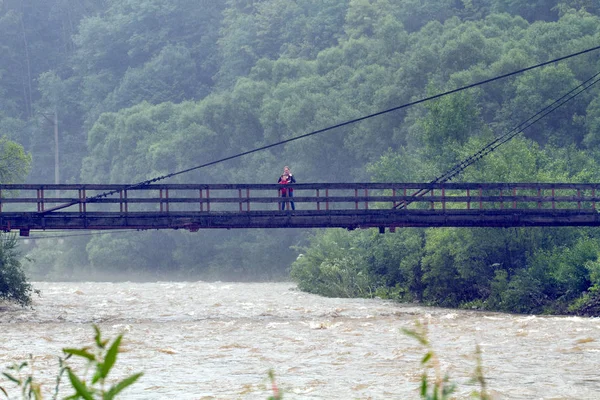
(13, 282)
(523, 270)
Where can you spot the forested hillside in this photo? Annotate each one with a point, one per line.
(141, 88)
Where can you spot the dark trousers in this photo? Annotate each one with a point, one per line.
(288, 194)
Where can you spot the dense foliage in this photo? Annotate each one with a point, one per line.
(14, 287)
(140, 88)
(13, 281)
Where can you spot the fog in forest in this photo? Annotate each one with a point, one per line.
(122, 92)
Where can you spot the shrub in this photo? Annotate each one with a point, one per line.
(13, 282)
(338, 277)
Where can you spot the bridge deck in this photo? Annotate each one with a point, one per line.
(318, 205)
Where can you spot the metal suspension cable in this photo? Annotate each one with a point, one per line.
(352, 121)
(493, 145)
(519, 128)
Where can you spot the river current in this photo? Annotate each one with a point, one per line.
(201, 340)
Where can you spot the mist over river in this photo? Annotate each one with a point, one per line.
(200, 340)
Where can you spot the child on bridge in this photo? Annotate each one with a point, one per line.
(284, 179)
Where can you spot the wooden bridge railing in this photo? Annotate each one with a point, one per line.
(239, 198)
(320, 205)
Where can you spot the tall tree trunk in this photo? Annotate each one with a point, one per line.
(56, 159)
(28, 88)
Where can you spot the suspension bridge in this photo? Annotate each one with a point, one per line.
(148, 205)
(28, 207)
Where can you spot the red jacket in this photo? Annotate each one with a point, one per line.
(284, 190)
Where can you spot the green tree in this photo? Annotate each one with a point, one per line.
(592, 124)
(14, 166)
(13, 281)
(334, 266)
(135, 256)
(531, 10)
(146, 50)
(14, 162)
(275, 28)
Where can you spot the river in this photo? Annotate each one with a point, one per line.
(200, 340)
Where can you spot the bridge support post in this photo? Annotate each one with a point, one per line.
(40, 200)
(207, 200)
(443, 198)
(318, 202)
(82, 203)
(468, 199)
(123, 201)
(432, 195)
(166, 199)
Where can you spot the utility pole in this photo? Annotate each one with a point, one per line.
(56, 163)
(54, 122)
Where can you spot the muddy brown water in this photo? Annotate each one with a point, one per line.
(201, 340)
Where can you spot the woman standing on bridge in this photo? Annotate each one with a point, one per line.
(285, 179)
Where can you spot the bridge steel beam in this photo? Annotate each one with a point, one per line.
(349, 219)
